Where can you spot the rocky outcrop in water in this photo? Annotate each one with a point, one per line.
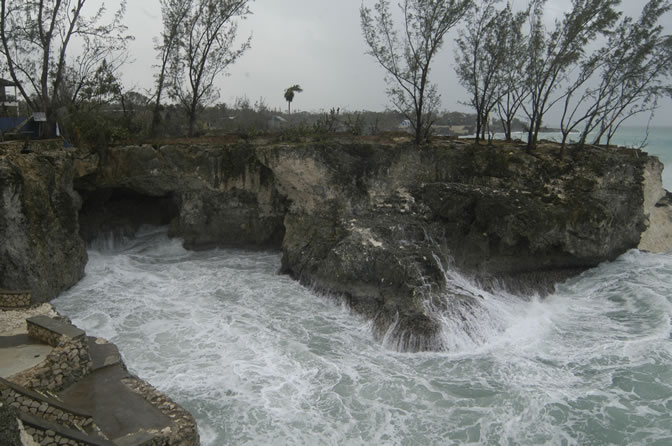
(382, 224)
(40, 249)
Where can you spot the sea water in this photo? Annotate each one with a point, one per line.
(260, 360)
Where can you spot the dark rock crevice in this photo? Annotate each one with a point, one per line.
(209, 196)
(122, 211)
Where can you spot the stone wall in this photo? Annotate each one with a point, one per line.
(49, 437)
(66, 364)
(45, 434)
(50, 410)
(51, 330)
(15, 299)
(185, 433)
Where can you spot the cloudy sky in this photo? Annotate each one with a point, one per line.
(317, 44)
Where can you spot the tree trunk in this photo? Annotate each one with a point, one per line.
(192, 120)
(418, 126)
(156, 112)
(48, 129)
(563, 145)
(531, 139)
(156, 121)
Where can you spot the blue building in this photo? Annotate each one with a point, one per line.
(11, 123)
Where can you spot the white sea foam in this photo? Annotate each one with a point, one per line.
(261, 360)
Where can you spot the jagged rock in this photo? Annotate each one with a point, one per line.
(658, 208)
(381, 224)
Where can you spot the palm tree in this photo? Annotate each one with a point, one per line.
(289, 96)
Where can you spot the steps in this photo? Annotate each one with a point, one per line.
(46, 417)
(81, 394)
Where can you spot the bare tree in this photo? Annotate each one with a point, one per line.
(407, 59)
(636, 73)
(579, 102)
(483, 52)
(173, 13)
(206, 50)
(551, 55)
(512, 91)
(36, 38)
(623, 78)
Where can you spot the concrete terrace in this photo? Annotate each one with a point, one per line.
(108, 405)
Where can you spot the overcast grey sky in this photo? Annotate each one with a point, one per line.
(317, 44)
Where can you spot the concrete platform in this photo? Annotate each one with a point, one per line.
(19, 353)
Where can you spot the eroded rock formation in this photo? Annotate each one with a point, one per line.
(379, 224)
(209, 195)
(40, 249)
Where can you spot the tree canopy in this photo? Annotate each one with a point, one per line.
(207, 36)
(37, 36)
(406, 52)
(289, 96)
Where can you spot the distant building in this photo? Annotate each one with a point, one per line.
(277, 122)
(405, 125)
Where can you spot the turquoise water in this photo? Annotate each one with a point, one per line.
(260, 360)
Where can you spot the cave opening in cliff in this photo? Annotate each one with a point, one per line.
(122, 211)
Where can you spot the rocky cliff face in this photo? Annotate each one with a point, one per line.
(40, 249)
(385, 225)
(210, 196)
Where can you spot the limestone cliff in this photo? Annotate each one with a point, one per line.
(40, 249)
(209, 195)
(380, 224)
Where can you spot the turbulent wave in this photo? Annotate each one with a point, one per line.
(261, 360)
